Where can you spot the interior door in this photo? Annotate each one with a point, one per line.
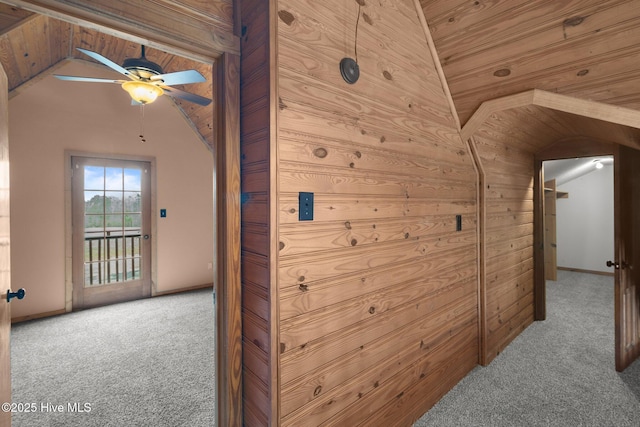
(550, 252)
(5, 260)
(111, 212)
(627, 252)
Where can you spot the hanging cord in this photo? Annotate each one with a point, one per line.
(142, 138)
(355, 47)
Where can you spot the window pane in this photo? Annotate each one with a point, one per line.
(93, 178)
(132, 201)
(93, 202)
(113, 179)
(113, 201)
(93, 249)
(93, 223)
(132, 179)
(132, 221)
(113, 223)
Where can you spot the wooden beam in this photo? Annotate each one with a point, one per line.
(568, 104)
(180, 31)
(592, 109)
(227, 208)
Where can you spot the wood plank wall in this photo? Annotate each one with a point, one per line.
(378, 294)
(506, 144)
(255, 229)
(508, 242)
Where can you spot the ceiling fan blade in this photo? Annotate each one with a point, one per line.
(86, 79)
(180, 78)
(109, 63)
(191, 97)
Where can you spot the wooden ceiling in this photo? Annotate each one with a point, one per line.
(589, 49)
(31, 44)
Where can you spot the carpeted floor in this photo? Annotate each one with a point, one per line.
(150, 363)
(560, 372)
(141, 363)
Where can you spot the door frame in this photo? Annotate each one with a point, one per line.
(566, 148)
(121, 291)
(223, 53)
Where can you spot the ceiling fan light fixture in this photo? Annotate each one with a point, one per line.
(142, 92)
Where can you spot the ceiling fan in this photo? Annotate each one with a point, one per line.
(146, 81)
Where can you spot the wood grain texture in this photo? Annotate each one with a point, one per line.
(580, 48)
(627, 254)
(259, 370)
(380, 284)
(228, 279)
(511, 135)
(191, 26)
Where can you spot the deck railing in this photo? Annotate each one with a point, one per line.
(111, 255)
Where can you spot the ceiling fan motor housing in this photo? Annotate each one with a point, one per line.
(142, 67)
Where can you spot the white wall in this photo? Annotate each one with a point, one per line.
(52, 116)
(585, 221)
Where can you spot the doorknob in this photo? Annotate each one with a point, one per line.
(10, 295)
(613, 264)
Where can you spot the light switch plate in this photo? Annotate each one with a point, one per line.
(305, 206)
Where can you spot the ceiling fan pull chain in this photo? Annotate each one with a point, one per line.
(142, 138)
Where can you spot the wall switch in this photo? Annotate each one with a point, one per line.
(163, 213)
(458, 222)
(305, 206)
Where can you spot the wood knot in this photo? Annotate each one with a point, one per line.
(361, 2)
(354, 242)
(372, 310)
(281, 104)
(573, 21)
(406, 235)
(352, 165)
(292, 210)
(503, 72)
(376, 384)
(282, 347)
(582, 73)
(358, 154)
(382, 139)
(317, 391)
(320, 152)
(286, 16)
(387, 75)
(281, 245)
(347, 225)
(367, 19)
(301, 279)
(303, 287)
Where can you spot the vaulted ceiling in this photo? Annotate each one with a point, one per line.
(589, 49)
(31, 44)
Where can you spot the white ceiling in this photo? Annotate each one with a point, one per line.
(567, 170)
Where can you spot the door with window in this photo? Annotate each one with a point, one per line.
(111, 213)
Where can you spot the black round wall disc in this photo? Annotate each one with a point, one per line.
(349, 70)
